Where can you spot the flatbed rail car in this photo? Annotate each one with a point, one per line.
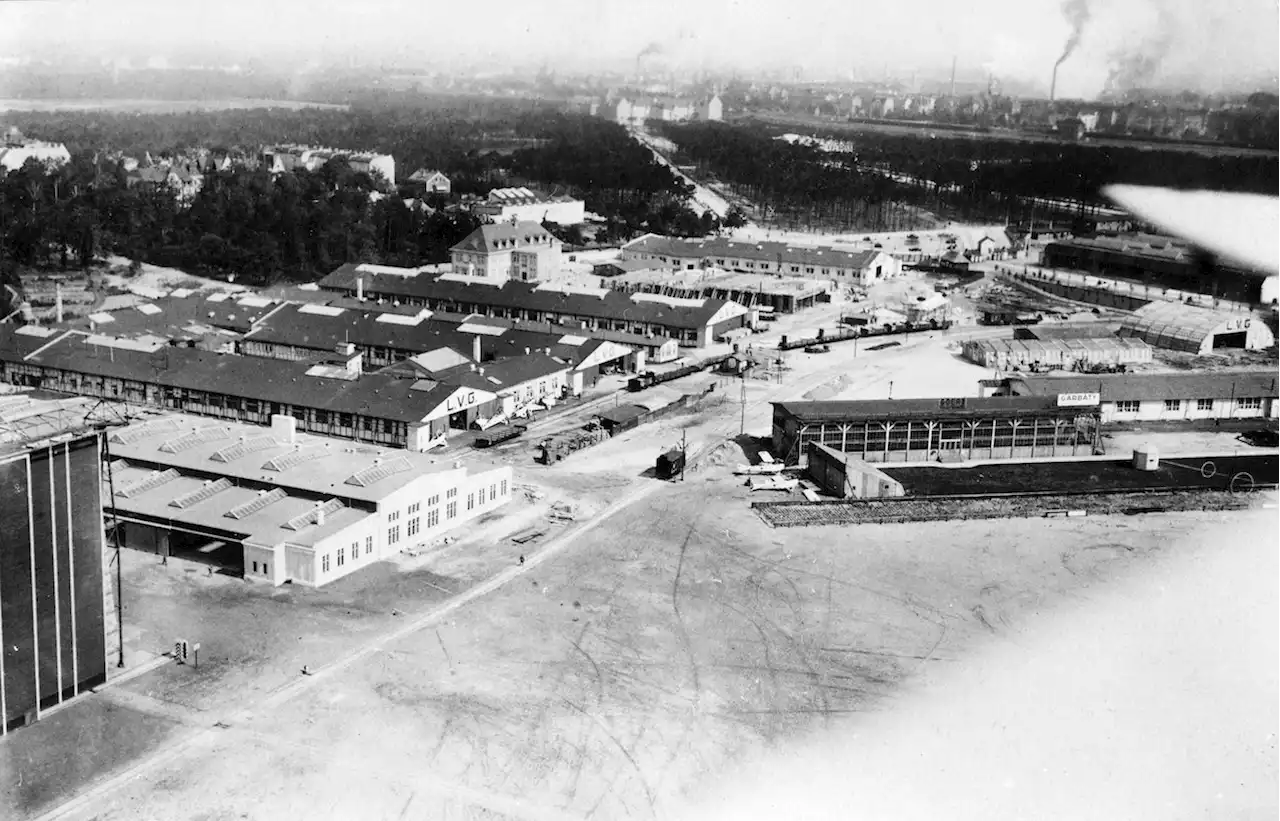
(500, 435)
(843, 335)
(648, 379)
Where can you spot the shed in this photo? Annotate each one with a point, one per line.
(623, 417)
(841, 475)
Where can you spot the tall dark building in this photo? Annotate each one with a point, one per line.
(53, 629)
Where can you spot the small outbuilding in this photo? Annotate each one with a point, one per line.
(843, 476)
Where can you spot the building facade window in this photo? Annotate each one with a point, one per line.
(393, 516)
(504, 487)
(1250, 403)
(452, 493)
(324, 563)
(1204, 404)
(393, 534)
(1173, 404)
(434, 500)
(433, 517)
(342, 551)
(414, 524)
(414, 508)
(355, 550)
(451, 510)
(1128, 406)
(368, 545)
(471, 501)
(493, 492)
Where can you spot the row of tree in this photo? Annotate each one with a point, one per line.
(957, 178)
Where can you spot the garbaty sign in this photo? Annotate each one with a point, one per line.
(1079, 400)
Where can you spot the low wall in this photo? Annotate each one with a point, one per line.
(936, 508)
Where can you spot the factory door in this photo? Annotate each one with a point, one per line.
(458, 421)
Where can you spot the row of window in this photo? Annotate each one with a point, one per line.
(341, 555)
(1134, 405)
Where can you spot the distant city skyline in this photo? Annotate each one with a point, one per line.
(1132, 41)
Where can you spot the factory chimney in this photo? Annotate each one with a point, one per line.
(953, 76)
(475, 348)
(57, 290)
(1053, 83)
(360, 288)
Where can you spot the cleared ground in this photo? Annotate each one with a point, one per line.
(676, 638)
(664, 635)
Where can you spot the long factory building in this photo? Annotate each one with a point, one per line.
(693, 323)
(282, 506)
(1023, 417)
(332, 398)
(947, 430)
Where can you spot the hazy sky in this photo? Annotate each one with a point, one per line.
(1013, 38)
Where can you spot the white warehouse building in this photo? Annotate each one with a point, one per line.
(285, 506)
(1160, 397)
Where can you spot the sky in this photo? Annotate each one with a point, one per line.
(1011, 38)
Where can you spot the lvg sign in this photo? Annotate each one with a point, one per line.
(462, 400)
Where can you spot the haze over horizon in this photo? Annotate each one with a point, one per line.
(1139, 42)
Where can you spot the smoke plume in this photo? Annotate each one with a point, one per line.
(652, 48)
(1077, 14)
(1136, 67)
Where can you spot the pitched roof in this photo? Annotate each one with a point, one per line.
(267, 380)
(513, 295)
(1157, 386)
(505, 236)
(890, 409)
(819, 256)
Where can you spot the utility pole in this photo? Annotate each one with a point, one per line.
(684, 451)
(742, 426)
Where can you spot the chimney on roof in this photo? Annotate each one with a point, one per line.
(475, 347)
(57, 289)
(319, 514)
(548, 352)
(526, 351)
(360, 288)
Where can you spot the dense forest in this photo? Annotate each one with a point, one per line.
(244, 222)
(975, 179)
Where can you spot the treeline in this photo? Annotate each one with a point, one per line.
(792, 185)
(956, 178)
(242, 225)
(480, 143)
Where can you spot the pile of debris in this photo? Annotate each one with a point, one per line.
(562, 512)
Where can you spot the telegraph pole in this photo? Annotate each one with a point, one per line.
(684, 451)
(742, 426)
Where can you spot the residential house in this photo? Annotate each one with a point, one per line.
(16, 149)
(711, 109)
(431, 180)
